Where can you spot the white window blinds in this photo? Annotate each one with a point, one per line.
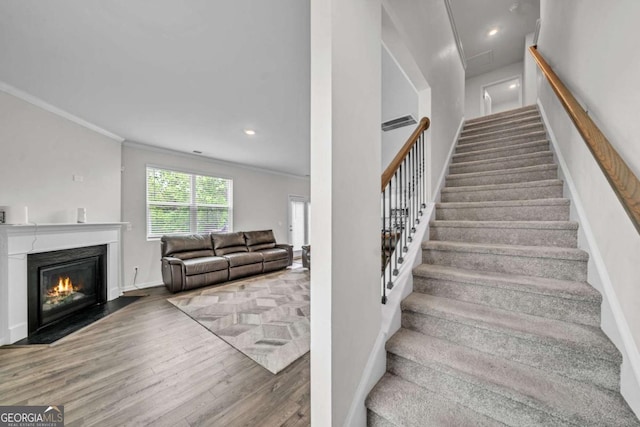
(179, 202)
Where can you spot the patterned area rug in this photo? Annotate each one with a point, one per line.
(265, 317)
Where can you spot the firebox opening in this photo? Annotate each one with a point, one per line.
(61, 283)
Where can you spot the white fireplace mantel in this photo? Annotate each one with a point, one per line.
(18, 241)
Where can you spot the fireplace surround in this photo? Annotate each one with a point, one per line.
(17, 242)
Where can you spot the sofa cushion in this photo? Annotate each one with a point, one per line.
(187, 247)
(257, 240)
(226, 243)
(237, 259)
(274, 254)
(205, 265)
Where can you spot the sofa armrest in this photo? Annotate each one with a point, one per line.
(289, 249)
(173, 274)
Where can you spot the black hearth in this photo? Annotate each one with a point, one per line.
(61, 283)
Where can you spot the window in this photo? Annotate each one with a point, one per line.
(179, 202)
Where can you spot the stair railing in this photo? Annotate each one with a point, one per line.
(623, 181)
(403, 198)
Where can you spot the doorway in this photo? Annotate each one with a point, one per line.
(501, 96)
(299, 212)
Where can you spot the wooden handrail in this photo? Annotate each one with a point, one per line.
(625, 184)
(397, 160)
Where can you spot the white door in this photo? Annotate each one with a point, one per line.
(299, 210)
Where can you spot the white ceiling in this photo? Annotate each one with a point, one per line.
(474, 19)
(186, 75)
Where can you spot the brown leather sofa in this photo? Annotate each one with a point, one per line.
(196, 260)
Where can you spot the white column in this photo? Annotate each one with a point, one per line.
(345, 189)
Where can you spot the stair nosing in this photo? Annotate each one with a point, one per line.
(515, 138)
(520, 224)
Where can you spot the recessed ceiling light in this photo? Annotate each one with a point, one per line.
(493, 31)
(513, 86)
(250, 131)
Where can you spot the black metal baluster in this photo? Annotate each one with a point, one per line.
(396, 227)
(390, 230)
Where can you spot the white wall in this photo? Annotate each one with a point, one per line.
(399, 98)
(260, 201)
(425, 31)
(530, 71)
(41, 151)
(473, 88)
(592, 47)
(345, 190)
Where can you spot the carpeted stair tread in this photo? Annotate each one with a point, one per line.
(505, 203)
(514, 393)
(514, 121)
(530, 233)
(404, 403)
(489, 187)
(530, 109)
(522, 170)
(581, 291)
(505, 210)
(577, 338)
(512, 131)
(512, 250)
(506, 176)
(508, 141)
(501, 163)
(548, 188)
(526, 147)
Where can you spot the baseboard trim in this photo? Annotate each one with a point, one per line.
(376, 364)
(625, 339)
(139, 286)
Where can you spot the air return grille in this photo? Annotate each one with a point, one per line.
(398, 123)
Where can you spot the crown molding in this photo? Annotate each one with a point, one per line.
(7, 88)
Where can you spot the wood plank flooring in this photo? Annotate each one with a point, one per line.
(150, 364)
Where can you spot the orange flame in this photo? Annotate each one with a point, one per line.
(64, 287)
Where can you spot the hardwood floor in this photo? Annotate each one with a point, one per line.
(150, 364)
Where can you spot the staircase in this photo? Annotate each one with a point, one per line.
(502, 328)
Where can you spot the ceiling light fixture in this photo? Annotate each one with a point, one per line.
(250, 131)
(493, 31)
(513, 86)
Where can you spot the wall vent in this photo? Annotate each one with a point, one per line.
(400, 122)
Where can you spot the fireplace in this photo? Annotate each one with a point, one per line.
(61, 283)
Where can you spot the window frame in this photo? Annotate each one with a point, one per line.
(192, 205)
